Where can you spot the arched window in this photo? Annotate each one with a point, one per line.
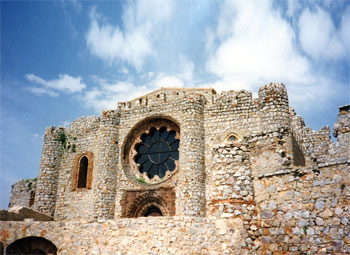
(31, 245)
(83, 172)
(82, 169)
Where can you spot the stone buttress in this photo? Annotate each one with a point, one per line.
(191, 188)
(46, 190)
(106, 165)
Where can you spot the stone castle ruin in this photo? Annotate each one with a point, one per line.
(187, 171)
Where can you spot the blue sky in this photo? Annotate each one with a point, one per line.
(64, 59)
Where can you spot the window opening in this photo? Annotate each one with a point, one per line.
(83, 170)
(32, 198)
(157, 152)
(153, 211)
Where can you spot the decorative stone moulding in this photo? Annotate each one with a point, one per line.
(142, 145)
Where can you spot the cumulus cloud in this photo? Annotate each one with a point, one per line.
(253, 44)
(64, 83)
(256, 46)
(292, 7)
(133, 41)
(106, 94)
(319, 37)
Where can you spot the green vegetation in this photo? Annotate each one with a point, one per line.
(305, 229)
(62, 137)
(141, 180)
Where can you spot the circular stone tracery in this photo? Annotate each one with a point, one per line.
(151, 151)
(157, 152)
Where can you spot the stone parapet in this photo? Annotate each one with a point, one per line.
(152, 235)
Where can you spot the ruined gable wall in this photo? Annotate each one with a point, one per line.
(318, 146)
(23, 193)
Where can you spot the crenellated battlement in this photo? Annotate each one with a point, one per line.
(273, 92)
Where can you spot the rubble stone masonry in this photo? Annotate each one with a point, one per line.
(247, 178)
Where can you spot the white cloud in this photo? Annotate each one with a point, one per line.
(106, 95)
(42, 91)
(319, 38)
(344, 29)
(256, 46)
(292, 7)
(64, 83)
(253, 44)
(133, 43)
(186, 68)
(163, 80)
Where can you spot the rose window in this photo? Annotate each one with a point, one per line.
(157, 152)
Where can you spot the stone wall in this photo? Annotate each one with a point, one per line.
(46, 190)
(154, 235)
(276, 187)
(204, 118)
(305, 212)
(81, 139)
(23, 193)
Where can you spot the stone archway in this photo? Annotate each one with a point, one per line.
(31, 245)
(144, 203)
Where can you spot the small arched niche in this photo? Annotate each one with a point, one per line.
(31, 245)
(231, 138)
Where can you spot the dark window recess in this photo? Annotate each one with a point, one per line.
(157, 152)
(298, 155)
(32, 198)
(83, 169)
(153, 211)
(31, 245)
